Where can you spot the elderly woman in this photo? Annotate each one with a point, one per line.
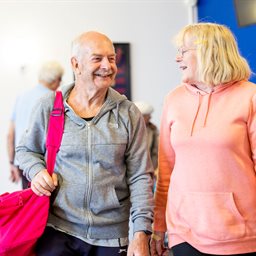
(206, 191)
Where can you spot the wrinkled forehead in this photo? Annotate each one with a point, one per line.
(99, 46)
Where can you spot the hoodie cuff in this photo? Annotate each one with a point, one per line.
(142, 224)
(35, 169)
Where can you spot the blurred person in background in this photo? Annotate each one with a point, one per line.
(49, 78)
(152, 132)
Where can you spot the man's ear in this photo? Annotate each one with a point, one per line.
(75, 66)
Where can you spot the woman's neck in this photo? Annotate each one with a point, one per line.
(204, 87)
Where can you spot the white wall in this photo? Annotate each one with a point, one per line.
(35, 31)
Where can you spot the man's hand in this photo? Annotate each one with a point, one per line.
(43, 183)
(139, 245)
(157, 244)
(15, 173)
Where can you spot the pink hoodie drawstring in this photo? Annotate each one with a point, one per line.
(197, 110)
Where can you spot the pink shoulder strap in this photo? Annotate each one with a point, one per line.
(55, 131)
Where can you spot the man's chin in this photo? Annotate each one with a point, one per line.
(103, 84)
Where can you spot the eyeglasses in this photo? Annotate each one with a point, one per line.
(182, 50)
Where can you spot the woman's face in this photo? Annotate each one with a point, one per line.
(187, 60)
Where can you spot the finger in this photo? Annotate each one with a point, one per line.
(16, 176)
(12, 178)
(47, 182)
(166, 252)
(159, 247)
(35, 190)
(39, 189)
(152, 247)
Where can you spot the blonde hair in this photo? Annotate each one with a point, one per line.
(219, 60)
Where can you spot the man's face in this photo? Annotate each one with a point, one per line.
(98, 63)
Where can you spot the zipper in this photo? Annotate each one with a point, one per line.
(89, 176)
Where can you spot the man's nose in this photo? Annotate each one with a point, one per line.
(105, 63)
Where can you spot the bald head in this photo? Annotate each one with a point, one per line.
(88, 39)
(91, 36)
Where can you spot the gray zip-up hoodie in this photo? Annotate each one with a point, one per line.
(103, 167)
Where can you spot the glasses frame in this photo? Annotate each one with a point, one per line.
(182, 50)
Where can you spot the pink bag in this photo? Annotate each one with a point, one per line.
(23, 214)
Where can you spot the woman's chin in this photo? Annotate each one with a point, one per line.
(188, 81)
(185, 80)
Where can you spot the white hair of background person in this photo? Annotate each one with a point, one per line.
(50, 71)
(144, 107)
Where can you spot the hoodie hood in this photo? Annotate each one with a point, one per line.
(216, 89)
(206, 95)
(112, 103)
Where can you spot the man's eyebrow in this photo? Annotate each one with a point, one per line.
(100, 55)
(95, 54)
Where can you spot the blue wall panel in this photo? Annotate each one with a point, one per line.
(223, 12)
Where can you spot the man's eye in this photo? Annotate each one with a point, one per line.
(112, 59)
(96, 59)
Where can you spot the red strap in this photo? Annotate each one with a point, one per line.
(55, 131)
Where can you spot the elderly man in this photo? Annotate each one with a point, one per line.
(103, 173)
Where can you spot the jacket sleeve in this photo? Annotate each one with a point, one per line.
(31, 150)
(139, 173)
(166, 160)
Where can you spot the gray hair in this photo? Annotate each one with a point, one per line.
(50, 71)
(76, 47)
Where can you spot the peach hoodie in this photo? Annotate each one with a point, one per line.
(207, 158)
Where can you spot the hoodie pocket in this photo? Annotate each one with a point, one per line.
(107, 204)
(211, 215)
(68, 201)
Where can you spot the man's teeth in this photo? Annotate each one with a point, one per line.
(103, 75)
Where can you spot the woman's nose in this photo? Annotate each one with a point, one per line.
(178, 57)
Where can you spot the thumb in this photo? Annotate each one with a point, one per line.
(55, 179)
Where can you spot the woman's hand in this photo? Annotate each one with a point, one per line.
(157, 244)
